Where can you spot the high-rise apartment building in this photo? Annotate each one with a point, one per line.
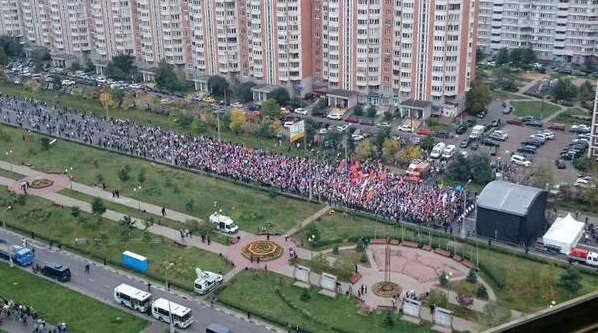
(561, 30)
(11, 22)
(420, 49)
(593, 151)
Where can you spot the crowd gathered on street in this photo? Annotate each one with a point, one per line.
(27, 316)
(366, 186)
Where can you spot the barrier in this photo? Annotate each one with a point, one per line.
(443, 317)
(328, 282)
(412, 307)
(301, 273)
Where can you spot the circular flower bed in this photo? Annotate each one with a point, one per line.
(263, 249)
(41, 183)
(386, 289)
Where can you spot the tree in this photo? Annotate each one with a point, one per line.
(496, 315)
(358, 111)
(589, 65)
(570, 281)
(12, 46)
(586, 91)
(280, 95)
(372, 111)
(333, 138)
(515, 56)
(528, 55)
(198, 126)
(76, 66)
(3, 57)
(45, 143)
(271, 109)
(459, 169)
(98, 207)
(365, 149)
(106, 100)
(127, 224)
(542, 176)
(502, 57)
(443, 278)
(39, 56)
(244, 93)
(482, 292)
(438, 298)
(166, 78)
(389, 319)
(478, 97)
(564, 89)
(218, 85)
(427, 143)
(481, 170)
(117, 95)
(472, 277)
(390, 147)
(238, 120)
(89, 66)
(312, 234)
(407, 155)
(479, 55)
(121, 67)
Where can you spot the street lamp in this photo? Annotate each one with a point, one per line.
(311, 239)
(170, 265)
(66, 172)
(8, 153)
(138, 189)
(464, 208)
(3, 218)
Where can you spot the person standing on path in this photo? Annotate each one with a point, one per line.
(163, 211)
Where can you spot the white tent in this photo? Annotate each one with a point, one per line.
(564, 233)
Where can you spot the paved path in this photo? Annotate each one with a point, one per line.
(307, 221)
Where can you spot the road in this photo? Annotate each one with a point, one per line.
(102, 280)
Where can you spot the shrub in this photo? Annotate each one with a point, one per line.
(97, 207)
(472, 277)
(75, 211)
(45, 143)
(494, 275)
(363, 258)
(482, 292)
(305, 296)
(389, 319)
(438, 298)
(360, 246)
(335, 249)
(123, 174)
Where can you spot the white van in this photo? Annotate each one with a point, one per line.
(132, 298)
(520, 160)
(206, 281)
(437, 150)
(449, 151)
(224, 223)
(165, 310)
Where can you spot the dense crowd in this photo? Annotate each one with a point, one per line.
(366, 186)
(27, 316)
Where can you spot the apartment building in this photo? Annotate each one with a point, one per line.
(11, 22)
(558, 30)
(113, 25)
(68, 25)
(593, 151)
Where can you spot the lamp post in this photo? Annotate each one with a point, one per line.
(3, 218)
(464, 208)
(8, 153)
(311, 239)
(171, 324)
(138, 189)
(66, 172)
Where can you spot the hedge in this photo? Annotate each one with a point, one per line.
(494, 275)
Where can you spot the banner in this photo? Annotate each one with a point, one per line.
(297, 130)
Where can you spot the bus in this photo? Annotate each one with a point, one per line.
(164, 310)
(132, 297)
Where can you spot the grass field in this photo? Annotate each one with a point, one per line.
(569, 117)
(501, 94)
(55, 304)
(172, 188)
(257, 292)
(58, 224)
(533, 108)
(10, 175)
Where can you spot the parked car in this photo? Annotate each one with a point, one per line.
(482, 114)
(490, 143)
(342, 128)
(300, 111)
(580, 129)
(365, 121)
(520, 160)
(547, 134)
(528, 149)
(539, 137)
(424, 131)
(557, 127)
(464, 143)
(441, 135)
(535, 123)
(499, 135)
(461, 129)
(405, 128)
(493, 151)
(475, 146)
(471, 122)
(353, 120)
(507, 109)
(515, 121)
(383, 124)
(495, 122)
(560, 164)
(532, 142)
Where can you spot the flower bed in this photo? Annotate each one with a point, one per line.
(41, 183)
(386, 289)
(263, 249)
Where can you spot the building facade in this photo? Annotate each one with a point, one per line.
(401, 49)
(11, 22)
(558, 30)
(593, 151)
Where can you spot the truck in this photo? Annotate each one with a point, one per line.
(476, 132)
(206, 281)
(223, 223)
(583, 256)
(22, 256)
(418, 171)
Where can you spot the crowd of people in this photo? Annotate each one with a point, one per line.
(27, 316)
(361, 185)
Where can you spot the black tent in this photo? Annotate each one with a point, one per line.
(511, 213)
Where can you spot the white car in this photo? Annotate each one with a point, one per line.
(520, 160)
(288, 124)
(585, 182)
(539, 136)
(135, 86)
(237, 105)
(323, 131)
(300, 111)
(342, 128)
(357, 137)
(548, 134)
(580, 128)
(405, 128)
(384, 124)
(334, 116)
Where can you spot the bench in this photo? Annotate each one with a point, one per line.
(378, 241)
(468, 263)
(27, 164)
(427, 248)
(457, 258)
(233, 240)
(410, 244)
(356, 277)
(443, 253)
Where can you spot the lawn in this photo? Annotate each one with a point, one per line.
(501, 94)
(343, 267)
(534, 108)
(274, 297)
(10, 175)
(56, 304)
(107, 239)
(165, 186)
(569, 117)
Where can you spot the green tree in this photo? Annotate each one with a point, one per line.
(502, 57)
(98, 207)
(280, 95)
(12, 46)
(390, 147)
(570, 281)
(312, 234)
(438, 298)
(244, 93)
(379, 137)
(75, 211)
(76, 66)
(118, 95)
(482, 292)
(515, 56)
(427, 143)
(564, 89)
(3, 57)
(40, 56)
(481, 170)
(358, 111)
(166, 78)
(271, 109)
(372, 111)
(89, 66)
(528, 55)
(45, 143)
(333, 138)
(589, 64)
(389, 319)
(218, 85)
(121, 68)
(127, 225)
(479, 55)
(478, 97)
(198, 126)
(459, 169)
(472, 277)
(586, 91)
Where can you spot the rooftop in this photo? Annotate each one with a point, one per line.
(508, 197)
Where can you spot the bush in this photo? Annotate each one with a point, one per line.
(45, 143)
(305, 296)
(363, 258)
(472, 277)
(389, 319)
(360, 246)
(482, 292)
(335, 249)
(494, 275)
(75, 211)
(438, 298)
(97, 206)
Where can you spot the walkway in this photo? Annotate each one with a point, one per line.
(307, 221)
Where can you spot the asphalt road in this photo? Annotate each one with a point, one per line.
(102, 280)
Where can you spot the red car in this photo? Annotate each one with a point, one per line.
(558, 127)
(352, 120)
(424, 131)
(517, 122)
